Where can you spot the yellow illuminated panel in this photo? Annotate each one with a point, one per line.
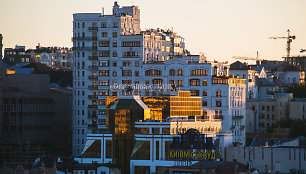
(235, 81)
(184, 105)
(8, 71)
(157, 106)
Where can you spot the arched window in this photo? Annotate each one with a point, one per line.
(172, 72)
(153, 72)
(218, 94)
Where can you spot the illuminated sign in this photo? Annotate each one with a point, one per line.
(191, 155)
(116, 86)
(192, 146)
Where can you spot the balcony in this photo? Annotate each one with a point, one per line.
(92, 106)
(83, 38)
(92, 87)
(92, 116)
(93, 58)
(93, 125)
(236, 117)
(85, 48)
(94, 77)
(218, 117)
(92, 97)
(93, 67)
(93, 28)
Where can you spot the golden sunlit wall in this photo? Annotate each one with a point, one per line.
(184, 105)
(159, 107)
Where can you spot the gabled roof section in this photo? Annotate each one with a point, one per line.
(238, 66)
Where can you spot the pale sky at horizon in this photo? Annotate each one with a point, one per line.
(219, 28)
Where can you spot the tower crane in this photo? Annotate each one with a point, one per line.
(289, 40)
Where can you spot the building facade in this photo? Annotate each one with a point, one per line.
(111, 50)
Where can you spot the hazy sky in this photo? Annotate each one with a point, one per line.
(219, 28)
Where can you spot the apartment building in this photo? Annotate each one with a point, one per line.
(111, 52)
(15, 55)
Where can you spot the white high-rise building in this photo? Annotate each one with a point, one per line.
(111, 50)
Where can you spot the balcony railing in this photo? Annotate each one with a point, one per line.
(85, 48)
(93, 116)
(93, 77)
(93, 58)
(92, 96)
(92, 87)
(92, 125)
(93, 106)
(236, 117)
(219, 117)
(93, 28)
(93, 67)
(84, 38)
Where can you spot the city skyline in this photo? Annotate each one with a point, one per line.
(221, 29)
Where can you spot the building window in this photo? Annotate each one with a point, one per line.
(104, 34)
(263, 108)
(115, 34)
(194, 92)
(130, 54)
(114, 73)
(103, 63)
(218, 94)
(103, 83)
(180, 83)
(103, 92)
(204, 103)
(194, 82)
(204, 83)
(157, 81)
(103, 24)
(126, 72)
(136, 64)
(115, 24)
(179, 72)
(218, 104)
(104, 44)
(172, 72)
(198, 72)
(114, 63)
(204, 93)
(127, 82)
(114, 44)
(136, 73)
(114, 53)
(103, 72)
(131, 44)
(172, 82)
(153, 72)
(104, 53)
(126, 63)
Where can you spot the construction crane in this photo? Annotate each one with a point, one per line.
(248, 58)
(289, 40)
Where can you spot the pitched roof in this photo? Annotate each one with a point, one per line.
(238, 66)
